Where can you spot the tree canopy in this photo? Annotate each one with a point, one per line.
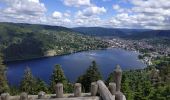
(3, 81)
(92, 75)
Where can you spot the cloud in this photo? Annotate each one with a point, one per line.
(77, 3)
(29, 7)
(59, 18)
(125, 20)
(152, 14)
(22, 11)
(93, 10)
(116, 7)
(89, 16)
(66, 14)
(57, 14)
(90, 22)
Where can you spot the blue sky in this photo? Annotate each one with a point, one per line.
(144, 14)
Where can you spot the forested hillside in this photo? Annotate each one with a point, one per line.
(99, 31)
(150, 34)
(25, 41)
(123, 33)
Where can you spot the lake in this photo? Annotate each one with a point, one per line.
(75, 64)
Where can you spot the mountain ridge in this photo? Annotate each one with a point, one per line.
(122, 32)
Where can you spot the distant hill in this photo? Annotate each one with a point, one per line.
(122, 32)
(100, 31)
(150, 34)
(25, 41)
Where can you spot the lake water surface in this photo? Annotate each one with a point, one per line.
(75, 64)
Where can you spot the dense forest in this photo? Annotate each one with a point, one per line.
(25, 41)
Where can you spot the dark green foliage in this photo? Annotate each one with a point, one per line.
(28, 83)
(92, 74)
(127, 90)
(59, 77)
(41, 86)
(3, 81)
(31, 85)
(14, 90)
(29, 47)
(26, 41)
(161, 93)
(138, 85)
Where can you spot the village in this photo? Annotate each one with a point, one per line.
(148, 51)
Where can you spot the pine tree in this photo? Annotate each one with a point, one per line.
(126, 89)
(92, 74)
(41, 86)
(58, 77)
(3, 81)
(28, 83)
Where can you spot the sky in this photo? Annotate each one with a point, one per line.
(140, 14)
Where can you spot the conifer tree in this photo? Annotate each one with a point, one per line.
(28, 83)
(3, 81)
(41, 86)
(58, 77)
(92, 74)
(32, 85)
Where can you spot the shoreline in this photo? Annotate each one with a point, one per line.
(43, 57)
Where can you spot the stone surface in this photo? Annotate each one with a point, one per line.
(104, 91)
(112, 88)
(59, 90)
(119, 96)
(77, 90)
(24, 96)
(118, 77)
(5, 96)
(94, 89)
(41, 95)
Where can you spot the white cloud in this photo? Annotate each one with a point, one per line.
(77, 3)
(22, 11)
(94, 10)
(90, 11)
(89, 16)
(57, 15)
(29, 7)
(116, 7)
(154, 14)
(90, 22)
(66, 14)
(59, 18)
(119, 9)
(66, 20)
